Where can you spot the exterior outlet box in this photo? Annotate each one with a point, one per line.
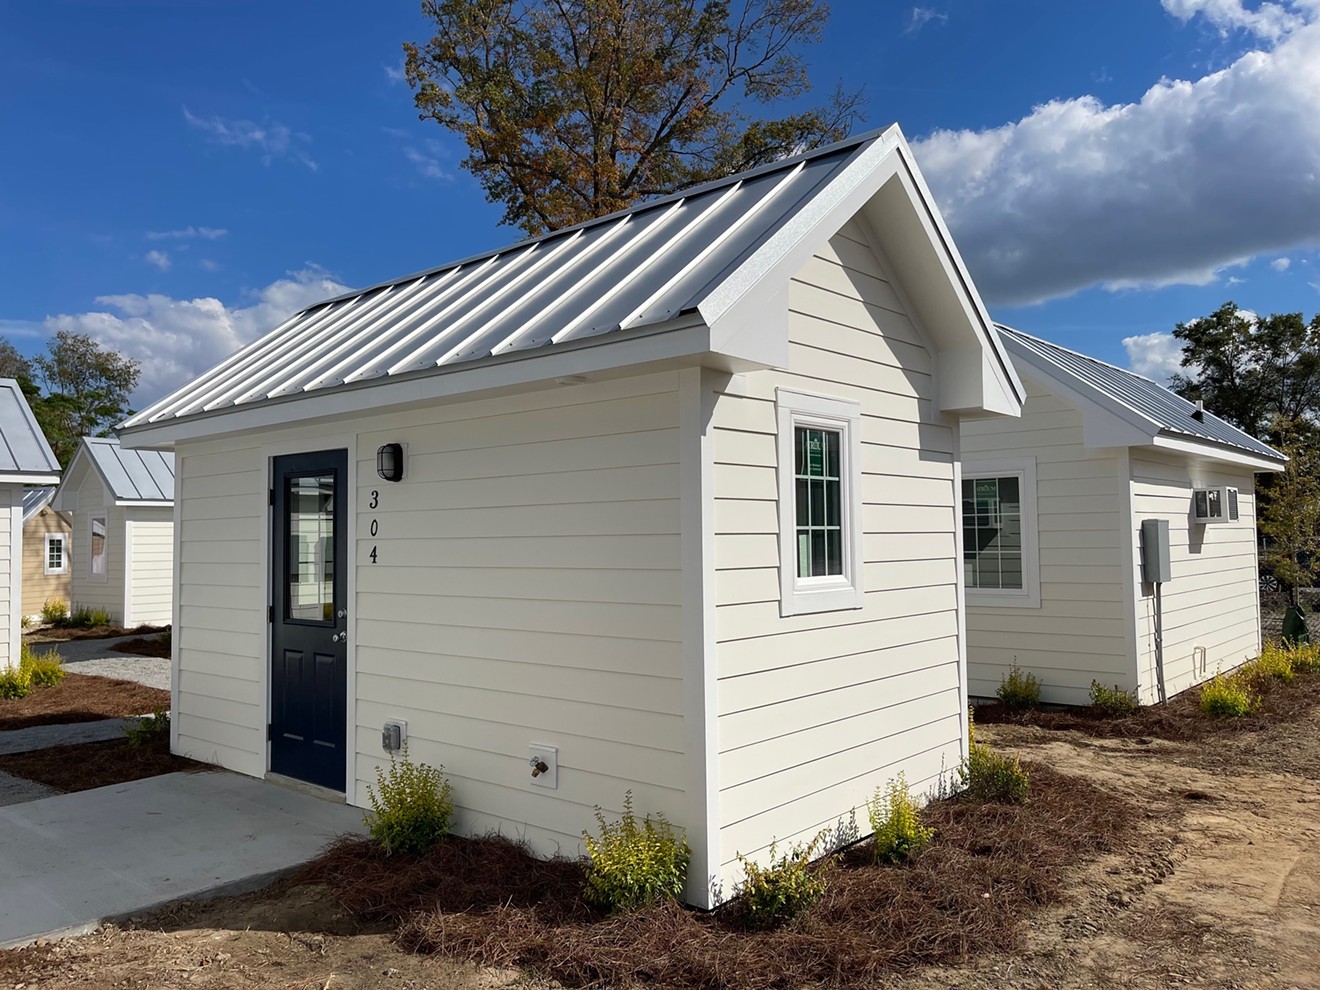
(1214, 505)
(393, 735)
(1155, 564)
(543, 756)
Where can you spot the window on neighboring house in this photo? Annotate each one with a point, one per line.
(98, 549)
(55, 561)
(820, 503)
(1000, 562)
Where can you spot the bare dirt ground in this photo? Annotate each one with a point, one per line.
(1220, 888)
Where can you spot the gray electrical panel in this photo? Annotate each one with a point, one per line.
(1155, 567)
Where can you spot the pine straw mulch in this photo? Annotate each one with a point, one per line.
(88, 765)
(1180, 719)
(66, 634)
(145, 646)
(989, 867)
(81, 698)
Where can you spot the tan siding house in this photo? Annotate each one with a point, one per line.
(121, 506)
(47, 552)
(1054, 573)
(664, 503)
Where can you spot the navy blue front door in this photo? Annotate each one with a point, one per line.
(309, 667)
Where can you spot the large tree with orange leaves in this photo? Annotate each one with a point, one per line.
(572, 109)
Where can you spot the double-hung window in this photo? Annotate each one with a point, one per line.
(820, 514)
(55, 560)
(1000, 558)
(98, 549)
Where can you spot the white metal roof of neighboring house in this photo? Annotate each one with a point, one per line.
(1139, 400)
(130, 476)
(702, 259)
(36, 499)
(24, 453)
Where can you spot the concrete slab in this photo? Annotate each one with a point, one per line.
(67, 734)
(72, 862)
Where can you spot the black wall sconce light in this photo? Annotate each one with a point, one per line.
(389, 461)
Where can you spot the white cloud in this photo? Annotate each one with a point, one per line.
(1155, 355)
(1195, 176)
(921, 16)
(428, 165)
(187, 234)
(1270, 21)
(1281, 264)
(178, 339)
(272, 140)
(160, 259)
(395, 73)
(21, 328)
(208, 265)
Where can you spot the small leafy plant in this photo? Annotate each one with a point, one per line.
(1112, 701)
(1019, 689)
(1227, 697)
(896, 823)
(991, 777)
(785, 889)
(55, 612)
(43, 669)
(15, 682)
(633, 864)
(1306, 658)
(1274, 661)
(412, 806)
(149, 729)
(99, 617)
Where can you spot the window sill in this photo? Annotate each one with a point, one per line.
(982, 600)
(838, 597)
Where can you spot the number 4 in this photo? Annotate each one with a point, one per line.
(373, 555)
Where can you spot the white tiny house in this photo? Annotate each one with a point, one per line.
(25, 460)
(121, 503)
(666, 501)
(1053, 507)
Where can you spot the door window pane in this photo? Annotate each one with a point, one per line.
(311, 556)
(819, 510)
(992, 533)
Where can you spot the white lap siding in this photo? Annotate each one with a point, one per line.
(816, 711)
(526, 590)
(1078, 633)
(151, 572)
(1213, 599)
(11, 566)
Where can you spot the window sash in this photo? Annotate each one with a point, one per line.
(818, 508)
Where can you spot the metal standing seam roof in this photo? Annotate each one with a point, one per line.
(133, 475)
(23, 447)
(1171, 413)
(643, 266)
(35, 499)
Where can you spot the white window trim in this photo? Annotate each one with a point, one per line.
(64, 553)
(91, 522)
(798, 595)
(1025, 470)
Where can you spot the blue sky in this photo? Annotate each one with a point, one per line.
(178, 176)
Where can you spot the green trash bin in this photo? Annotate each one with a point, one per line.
(1295, 630)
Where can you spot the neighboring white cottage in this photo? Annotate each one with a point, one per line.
(25, 460)
(666, 501)
(1053, 505)
(122, 506)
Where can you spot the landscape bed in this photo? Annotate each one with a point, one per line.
(97, 764)
(66, 634)
(81, 698)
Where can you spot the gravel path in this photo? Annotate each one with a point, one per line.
(96, 656)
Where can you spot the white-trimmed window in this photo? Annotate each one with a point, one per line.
(98, 549)
(56, 557)
(820, 503)
(1001, 562)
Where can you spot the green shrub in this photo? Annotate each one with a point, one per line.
(1227, 697)
(633, 864)
(1112, 701)
(896, 823)
(1019, 690)
(80, 617)
(43, 669)
(1306, 658)
(55, 612)
(773, 895)
(149, 728)
(99, 617)
(412, 806)
(1274, 661)
(15, 682)
(24, 621)
(993, 777)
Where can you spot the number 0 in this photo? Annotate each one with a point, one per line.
(375, 526)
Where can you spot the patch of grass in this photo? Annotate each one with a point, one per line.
(55, 612)
(1112, 701)
(149, 729)
(896, 823)
(412, 806)
(1228, 697)
(785, 889)
(633, 864)
(1019, 690)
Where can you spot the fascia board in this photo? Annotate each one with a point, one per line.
(79, 457)
(1106, 422)
(144, 503)
(29, 480)
(1224, 455)
(688, 343)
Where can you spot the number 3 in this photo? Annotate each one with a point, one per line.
(375, 499)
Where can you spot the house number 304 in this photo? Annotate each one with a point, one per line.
(374, 526)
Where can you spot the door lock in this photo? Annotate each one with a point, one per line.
(337, 636)
(342, 613)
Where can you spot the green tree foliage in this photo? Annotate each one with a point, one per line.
(572, 109)
(1290, 517)
(14, 365)
(84, 390)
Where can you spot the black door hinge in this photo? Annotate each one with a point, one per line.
(270, 496)
(269, 734)
(270, 613)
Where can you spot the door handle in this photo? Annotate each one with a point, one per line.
(342, 613)
(338, 636)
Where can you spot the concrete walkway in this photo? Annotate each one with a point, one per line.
(72, 862)
(96, 656)
(62, 734)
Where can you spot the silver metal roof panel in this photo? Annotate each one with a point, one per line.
(132, 475)
(36, 499)
(23, 447)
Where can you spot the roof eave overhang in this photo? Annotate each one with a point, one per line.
(1215, 452)
(884, 186)
(29, 479)
(682, 342)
